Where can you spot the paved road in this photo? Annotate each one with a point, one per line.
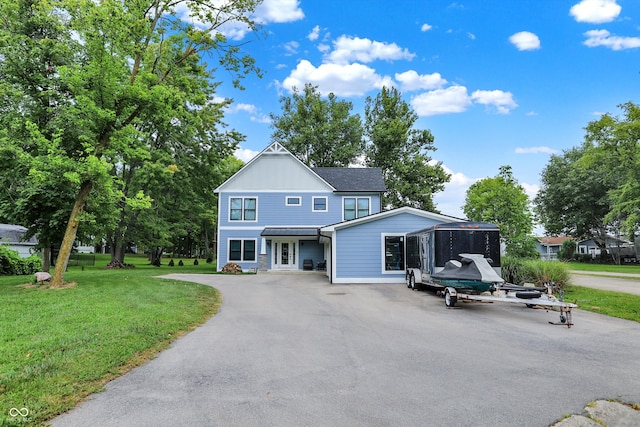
(607, 281)
(293, 350)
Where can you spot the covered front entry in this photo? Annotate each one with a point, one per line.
(285, 254)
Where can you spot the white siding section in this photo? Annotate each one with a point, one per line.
(276, 172)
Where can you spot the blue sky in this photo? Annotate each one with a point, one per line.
(498, 82)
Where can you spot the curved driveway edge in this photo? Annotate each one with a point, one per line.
(293, 350)
(627, 283)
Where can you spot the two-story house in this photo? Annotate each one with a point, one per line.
(276, 213)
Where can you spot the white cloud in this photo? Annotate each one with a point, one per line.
(261, 118)
(348, 49)
(471, 36)
(324, 48)
(531, 190)
(453, 99)
(343, 80)
(425, 27)
(502, 101)
(247, 108)
(411, 80)
(245, 154)
(595, 11)
(279, 11)
(268, 11)
(604, 38)
(535, 150)
(451, 200)
(524, 40)
(314, 34)
(252, 110)
(291, 48)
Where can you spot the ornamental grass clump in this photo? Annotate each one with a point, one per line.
(534, 271)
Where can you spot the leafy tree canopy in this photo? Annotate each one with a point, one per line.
(320, 132)
(613, 148)
(85, 83)
(502, 201)
(573, 198)
(402, 152)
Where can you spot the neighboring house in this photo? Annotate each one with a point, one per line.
(13, 236)
(548, 246)
(620, 249)
(276, 213)
(588, 247)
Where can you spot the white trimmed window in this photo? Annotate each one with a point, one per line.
(320, 204)
(393, 253)
(355, 207)
(293, 201)
(243, 209)
(242, 249)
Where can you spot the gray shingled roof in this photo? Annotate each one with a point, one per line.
(353, 179)
(10, 233)
(290, 231)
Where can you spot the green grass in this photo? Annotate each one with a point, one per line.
(615, 304)
(610, 268)
(60, 345)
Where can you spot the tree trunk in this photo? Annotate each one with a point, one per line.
(46, 257)
(156, 256)
(120, 250)
(70, 235)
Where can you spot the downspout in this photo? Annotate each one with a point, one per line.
(330, 253)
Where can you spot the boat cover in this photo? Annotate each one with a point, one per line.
(470, 267)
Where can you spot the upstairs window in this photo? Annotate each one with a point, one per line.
(355, 207)
(243, 209)
(293, 201)
(320, 204)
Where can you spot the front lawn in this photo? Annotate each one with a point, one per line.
(614, 304)
(609, 268)
(60, 345)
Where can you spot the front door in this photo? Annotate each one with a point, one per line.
(285, 255)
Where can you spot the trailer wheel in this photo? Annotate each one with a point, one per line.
(412, 281)
(408, 280)
(449, 300)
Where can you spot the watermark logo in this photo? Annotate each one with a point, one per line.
(19, 412)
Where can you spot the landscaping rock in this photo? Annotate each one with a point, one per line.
(603, 413)
(42, 276)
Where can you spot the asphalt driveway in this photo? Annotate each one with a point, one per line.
(293, 350)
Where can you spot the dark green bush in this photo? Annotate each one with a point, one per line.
(567, 251)
(12, 265)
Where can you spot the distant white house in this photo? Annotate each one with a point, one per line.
(13, 236)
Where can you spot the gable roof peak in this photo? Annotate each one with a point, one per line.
(276, 148)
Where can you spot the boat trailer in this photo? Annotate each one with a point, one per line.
(530, 296)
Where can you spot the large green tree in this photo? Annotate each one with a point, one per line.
(402, 152)
(573, 198)
(593, 191)
(502, 201)
(320, 132)
(613, 147)
(84, 81)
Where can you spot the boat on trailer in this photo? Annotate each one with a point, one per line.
(462, 261)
